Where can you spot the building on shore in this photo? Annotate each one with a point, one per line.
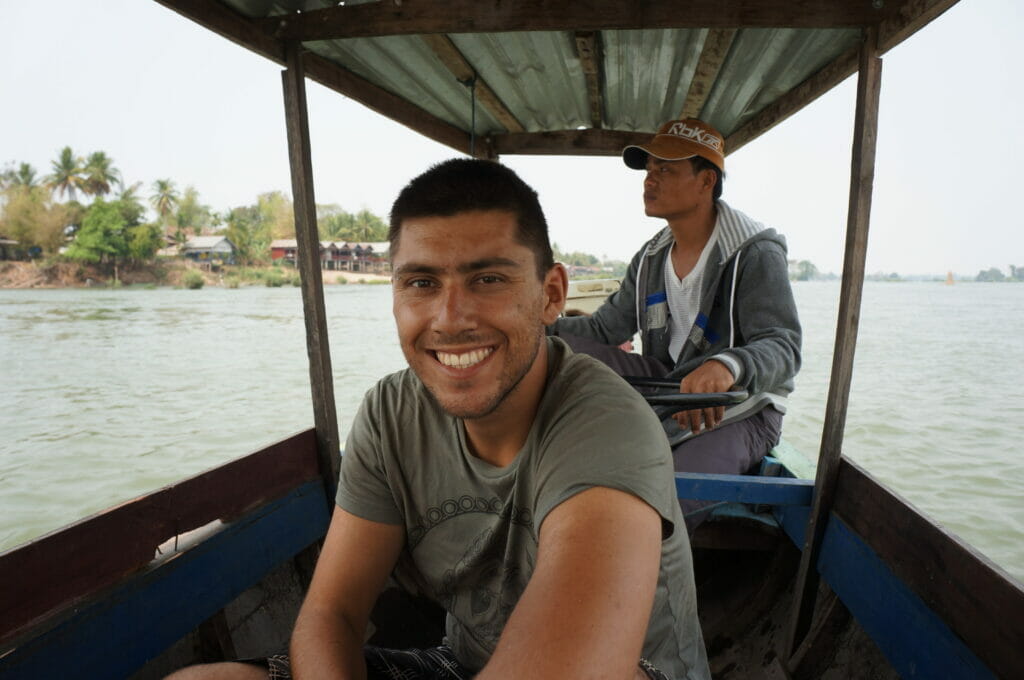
(349, 256)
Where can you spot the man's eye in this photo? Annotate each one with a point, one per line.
(419, 283)
(489, 278)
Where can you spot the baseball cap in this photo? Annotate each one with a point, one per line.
(677, 140)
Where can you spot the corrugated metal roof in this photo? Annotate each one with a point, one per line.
(541, 82)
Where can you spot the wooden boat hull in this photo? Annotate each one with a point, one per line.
(900, 597)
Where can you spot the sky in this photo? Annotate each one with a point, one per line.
(166, 98)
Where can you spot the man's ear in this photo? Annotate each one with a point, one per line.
(556, 287)
(708, 178)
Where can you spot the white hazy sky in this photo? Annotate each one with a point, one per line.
(166, 98)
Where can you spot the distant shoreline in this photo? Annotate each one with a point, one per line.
(162, 274)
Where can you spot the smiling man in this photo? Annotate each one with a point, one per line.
(525, 489)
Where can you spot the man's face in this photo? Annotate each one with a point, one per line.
(672, 190)
(469, 308)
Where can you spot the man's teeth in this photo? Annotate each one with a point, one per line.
(464, 360)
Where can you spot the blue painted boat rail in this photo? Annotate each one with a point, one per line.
(750, 489)
(917, 641)
(119, 633)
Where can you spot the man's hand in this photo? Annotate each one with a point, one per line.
(711, 376)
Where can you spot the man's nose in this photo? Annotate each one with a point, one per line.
(454, 311)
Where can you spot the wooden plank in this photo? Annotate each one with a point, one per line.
(568, 142)
(862, 172)
(247, 33)
(591, 56)
(744, 489)
(982, 604)
(464, 72)
(225, 22)
(712, 55)
(114, 635)
(39, 578)
(910, 17)
(417, 17)
(914, 639)
(325, 414)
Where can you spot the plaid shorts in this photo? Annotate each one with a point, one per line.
(436, 663)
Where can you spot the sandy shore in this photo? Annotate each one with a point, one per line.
(14, 274)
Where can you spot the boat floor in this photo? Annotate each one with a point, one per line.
(744, 595)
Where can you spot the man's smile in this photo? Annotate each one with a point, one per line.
(463, 359)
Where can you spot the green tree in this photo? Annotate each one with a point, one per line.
(806, 271)
(99, 174)
(191, 214)
(164, 199)
(29, 216)
(67, 176)
(143, 240)
(250, 234)
(24, 176)
(335, 224)
(102, 237)
(277, 214)
(130, 203)
(991, 274)
(369, 227)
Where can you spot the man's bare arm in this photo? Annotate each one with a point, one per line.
(355, 562)
(585, 611)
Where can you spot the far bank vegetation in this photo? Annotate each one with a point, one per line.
(83, 224)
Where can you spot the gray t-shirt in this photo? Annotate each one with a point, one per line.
(472, 528)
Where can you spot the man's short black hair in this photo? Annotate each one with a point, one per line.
(700, 163)
(464, 184)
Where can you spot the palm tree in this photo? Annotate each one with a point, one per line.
(131, 205)
(164, 199)
(100, 174)
(24, 176)
(67, 174)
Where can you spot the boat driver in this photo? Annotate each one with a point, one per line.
(524, 488)
(710, 297)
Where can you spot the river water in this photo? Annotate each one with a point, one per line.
(108, 394)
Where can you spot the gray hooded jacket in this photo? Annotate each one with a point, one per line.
(747, 317)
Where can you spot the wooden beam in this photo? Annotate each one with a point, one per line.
(911, 16)
(796, 99)
(862, 174)
(464, 72)
(568, 142)
(417, 17)
(591, 56)
(716, 47)
(325, 414)
(979, 602)
(246, 32)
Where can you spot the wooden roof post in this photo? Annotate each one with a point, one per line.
(862, 174)
(325, 416)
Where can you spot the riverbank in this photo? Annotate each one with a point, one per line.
(170, 273)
